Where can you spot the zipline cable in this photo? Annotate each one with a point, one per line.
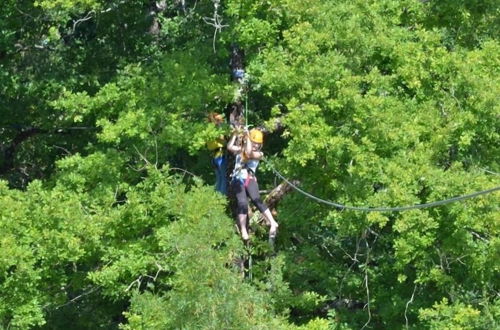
(382, 209)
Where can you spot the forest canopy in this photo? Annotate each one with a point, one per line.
(108, 214)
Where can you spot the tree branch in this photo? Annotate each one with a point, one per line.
(408, 304)
(24, 134)
(9, 152)
(366, 284)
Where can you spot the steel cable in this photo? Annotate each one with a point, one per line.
(383, 209)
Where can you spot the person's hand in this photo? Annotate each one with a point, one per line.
(237, 130)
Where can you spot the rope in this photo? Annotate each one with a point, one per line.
(384, 209)
(246, 110)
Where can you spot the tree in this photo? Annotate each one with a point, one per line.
(374, 98)
(380, 103)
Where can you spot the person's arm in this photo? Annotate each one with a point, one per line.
(258, 155)
(231, 146)
(248, 145)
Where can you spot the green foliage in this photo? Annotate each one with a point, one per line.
(442, 315)
(44, 233)
(60, 6)
(204, 294)
(161, 101)
(379, 103)
(379, 111)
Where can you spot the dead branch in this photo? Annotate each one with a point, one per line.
(366, 282)
(275, 196)
(215, 21)
(81, 20)
(408, 304)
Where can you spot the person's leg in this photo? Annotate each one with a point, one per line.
(242, 210)
(217, 174)
(272, 223)
(217, 180)
(222, 175)
(242, 223)
(253, 191)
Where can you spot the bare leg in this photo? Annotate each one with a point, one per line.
(271, 222)
(253, 192)
(242, 220)
(242, 211)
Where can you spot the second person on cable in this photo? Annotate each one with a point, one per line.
(244, 182)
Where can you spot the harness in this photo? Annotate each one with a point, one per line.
(250, 174)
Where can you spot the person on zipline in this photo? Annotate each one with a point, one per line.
(244, 181)
(219, 161)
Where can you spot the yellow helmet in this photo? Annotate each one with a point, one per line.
(256, 136)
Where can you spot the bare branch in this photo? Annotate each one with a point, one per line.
(86, 293)
(81, 20)
(26, 14)
(459, 260)
(114, 6)
(137, 281)
(156, 150)
(327, 251)
(475, 234)
(144, 158)
(355, 261)
(408, 304)
(61, 148)
(488, 171)
(366, 283)
(215, 21)
(182, 170)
